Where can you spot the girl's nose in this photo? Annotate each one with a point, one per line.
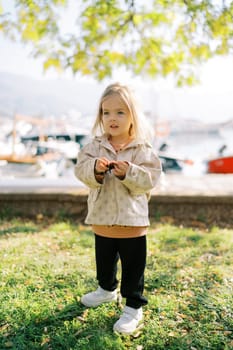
(112, 117)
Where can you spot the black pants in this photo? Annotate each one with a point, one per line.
(132, 254)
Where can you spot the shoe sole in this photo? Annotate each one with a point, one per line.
(97, 304)
(133, 333)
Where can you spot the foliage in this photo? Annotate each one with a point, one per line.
(155, 37)
(46, 265)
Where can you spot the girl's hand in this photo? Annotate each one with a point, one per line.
(120, 169)
(101, 165)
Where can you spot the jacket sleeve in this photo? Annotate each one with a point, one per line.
(84, 169)
(144, 172)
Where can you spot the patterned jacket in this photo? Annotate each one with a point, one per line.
(119, 202)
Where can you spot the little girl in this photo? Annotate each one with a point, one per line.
(120, 168)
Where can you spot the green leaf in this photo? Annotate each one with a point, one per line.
(156, 37)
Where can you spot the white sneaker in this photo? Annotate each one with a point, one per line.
(98, 297)
(129, 321)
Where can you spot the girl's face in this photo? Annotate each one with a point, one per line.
(116, 117)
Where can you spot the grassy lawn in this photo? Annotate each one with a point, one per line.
(47, 264)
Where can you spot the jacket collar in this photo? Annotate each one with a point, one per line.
(103, 140)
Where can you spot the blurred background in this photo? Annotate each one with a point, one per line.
(56, 57)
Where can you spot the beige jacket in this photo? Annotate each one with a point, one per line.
(119, 202)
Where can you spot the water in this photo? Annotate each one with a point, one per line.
(196, 147)
(199, 148)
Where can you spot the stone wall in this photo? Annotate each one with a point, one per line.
(197, 210)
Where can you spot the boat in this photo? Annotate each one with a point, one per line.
(171, 163)
(35, 162)
(66, 144)
(27, 157)
(220, 165)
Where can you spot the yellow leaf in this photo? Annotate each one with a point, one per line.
(172, 334)
(39, 216)
(45, 341)
(52, 62)
(137, 19)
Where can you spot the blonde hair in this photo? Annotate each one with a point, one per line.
(127, 96)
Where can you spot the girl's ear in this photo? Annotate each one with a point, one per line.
(131, 129)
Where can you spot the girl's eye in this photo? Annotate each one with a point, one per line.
(105, 113)
(121, 113)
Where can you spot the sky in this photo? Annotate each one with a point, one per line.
(211, 100)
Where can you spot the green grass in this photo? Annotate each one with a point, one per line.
(46, 265)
